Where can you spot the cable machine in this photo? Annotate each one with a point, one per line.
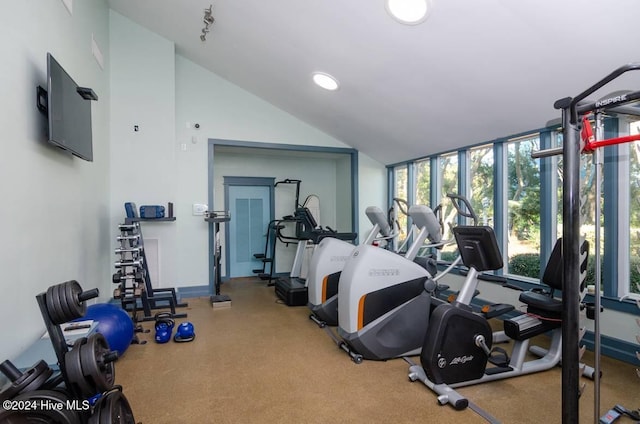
(577, 139)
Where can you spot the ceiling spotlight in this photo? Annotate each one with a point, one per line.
(409, 12)
(325, 81)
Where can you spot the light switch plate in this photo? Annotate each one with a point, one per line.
(199, 209)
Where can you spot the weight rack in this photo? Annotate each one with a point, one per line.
(134, 289)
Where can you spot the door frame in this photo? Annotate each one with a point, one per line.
(244, 182)
(212, 142)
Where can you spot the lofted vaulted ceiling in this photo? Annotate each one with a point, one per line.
(472, 72)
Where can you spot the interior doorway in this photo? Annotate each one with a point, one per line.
(250, 204)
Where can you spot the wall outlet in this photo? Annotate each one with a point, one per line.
(199, 209)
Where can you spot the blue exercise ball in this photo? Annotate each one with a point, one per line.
(114, 323)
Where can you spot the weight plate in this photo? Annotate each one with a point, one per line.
(49, 301)
(94, 365)
(9, 391)
(32, 379)
(39, 374)
(53, 305)
(112, 408)
(41, 412)
(76, 307)
(64, 302)
(59, 305)
(73, 370)
(54, 382)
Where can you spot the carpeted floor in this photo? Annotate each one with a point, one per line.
(261, 361)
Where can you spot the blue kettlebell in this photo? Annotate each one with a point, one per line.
(184, 333)
(164, 327)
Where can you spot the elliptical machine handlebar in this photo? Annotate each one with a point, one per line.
(423, 217)
(376, 216)
(463, 207)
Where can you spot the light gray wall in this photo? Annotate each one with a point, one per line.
(171, 158)
(55, 208)
(143, 161)
(60, 213)
(343, 196)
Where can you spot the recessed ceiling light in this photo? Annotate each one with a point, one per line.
(410, 12)
(325, 81)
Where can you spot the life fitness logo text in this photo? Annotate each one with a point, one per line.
(458, 360)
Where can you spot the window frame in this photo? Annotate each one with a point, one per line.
(615, 272)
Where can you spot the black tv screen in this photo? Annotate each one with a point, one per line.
(69, 113)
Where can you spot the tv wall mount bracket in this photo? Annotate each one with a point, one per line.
(41, 96)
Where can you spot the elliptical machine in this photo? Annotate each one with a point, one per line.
(384, 299)
(457, 345)
(327, 263)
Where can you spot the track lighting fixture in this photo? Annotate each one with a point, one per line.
(208, 21)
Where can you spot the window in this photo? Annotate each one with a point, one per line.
(523, 207)
(400, 180)
(481, 183)
(528, 213)
(448, 183)
(634, 212)
(423, 183)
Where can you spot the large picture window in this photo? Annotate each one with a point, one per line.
(423, 183)
(634, 211)
(448, 183)
(400, 178)
(508, 190)
(523, 207)
(481, 183)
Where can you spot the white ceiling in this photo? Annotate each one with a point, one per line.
(474, 71)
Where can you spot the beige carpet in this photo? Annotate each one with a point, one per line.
(263, 362)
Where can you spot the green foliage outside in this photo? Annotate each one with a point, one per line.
(528, 265)
(525, 264)
(523, 201)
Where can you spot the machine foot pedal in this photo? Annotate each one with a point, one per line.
(497, 370)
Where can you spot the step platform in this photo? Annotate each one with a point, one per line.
(293, 292)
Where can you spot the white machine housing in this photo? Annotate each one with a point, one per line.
(327, 262)
(383, 303)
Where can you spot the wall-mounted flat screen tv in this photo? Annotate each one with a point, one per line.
(69, 112)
